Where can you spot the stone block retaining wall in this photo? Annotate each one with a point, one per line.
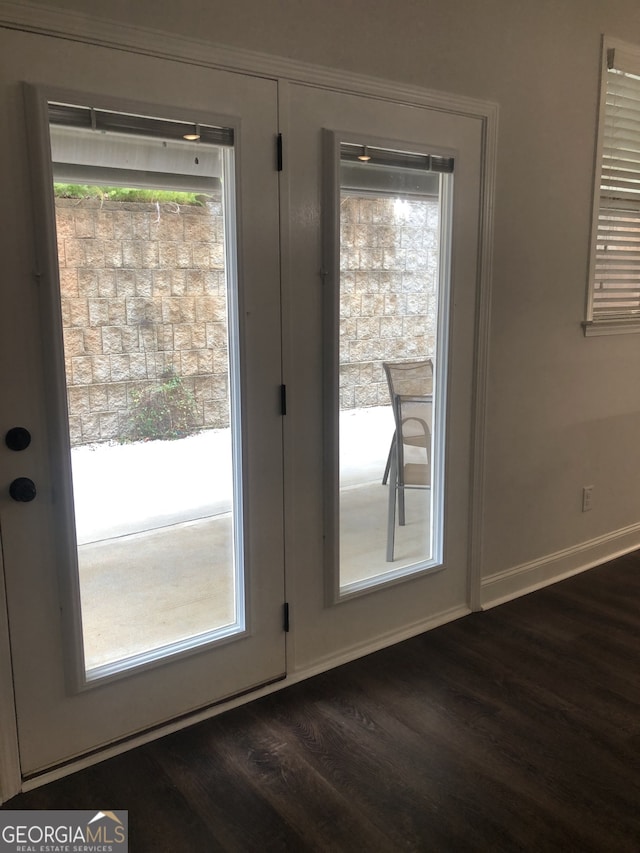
(388, 289)
(143, 297)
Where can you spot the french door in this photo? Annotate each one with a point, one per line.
(166, 292)
(143, 530)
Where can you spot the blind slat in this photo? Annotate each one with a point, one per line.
(622, 244)
(625, 157)
(624, 179)
(621, 112)
(622, 138)
(618, 226)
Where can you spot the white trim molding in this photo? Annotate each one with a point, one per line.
(520, 580)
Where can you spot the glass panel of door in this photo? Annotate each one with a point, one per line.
(389, 337)
(146, 248)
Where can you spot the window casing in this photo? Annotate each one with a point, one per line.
(614, 280)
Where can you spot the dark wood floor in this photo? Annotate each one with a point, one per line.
(512, 730)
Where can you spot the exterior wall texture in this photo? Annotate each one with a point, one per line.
(143, 300)
(388, 290)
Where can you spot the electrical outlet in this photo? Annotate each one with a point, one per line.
(587, 498)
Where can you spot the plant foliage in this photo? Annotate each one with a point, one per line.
(164, 411)
(81, 191)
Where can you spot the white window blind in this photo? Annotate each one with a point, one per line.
(615, 293)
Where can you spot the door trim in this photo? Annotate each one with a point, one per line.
(31, 17)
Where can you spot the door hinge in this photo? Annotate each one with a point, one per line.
(286, 617)
(283, 399)
(279, 152)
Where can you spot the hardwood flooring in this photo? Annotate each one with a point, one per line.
(517, 729)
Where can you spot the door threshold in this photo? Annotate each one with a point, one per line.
(110, 750)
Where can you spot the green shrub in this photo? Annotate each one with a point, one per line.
(127, 194)
(164, 411)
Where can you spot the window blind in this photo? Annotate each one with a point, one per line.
(100, 147)
(616, 271)
(369, 170)
(395, 159)
(87, 117)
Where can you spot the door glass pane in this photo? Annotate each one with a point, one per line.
(147, 286)
(390, 226)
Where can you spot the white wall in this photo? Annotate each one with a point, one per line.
(564, 410)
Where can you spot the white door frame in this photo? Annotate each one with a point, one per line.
(29, 17)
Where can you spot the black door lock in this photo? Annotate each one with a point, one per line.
(18, 438)
(22, 489)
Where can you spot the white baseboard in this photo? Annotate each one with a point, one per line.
(377, 644)
(511, 583)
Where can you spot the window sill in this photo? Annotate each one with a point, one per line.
(611, 327)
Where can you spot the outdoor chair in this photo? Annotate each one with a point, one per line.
(409, 461)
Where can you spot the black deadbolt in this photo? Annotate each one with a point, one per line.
(22, 489)
(18, 438)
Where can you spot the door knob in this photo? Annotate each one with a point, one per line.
(18, 438)
(22, 489)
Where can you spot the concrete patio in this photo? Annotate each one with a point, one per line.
(156, 558)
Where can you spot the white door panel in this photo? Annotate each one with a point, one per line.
(56, 718)
(328, 625)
